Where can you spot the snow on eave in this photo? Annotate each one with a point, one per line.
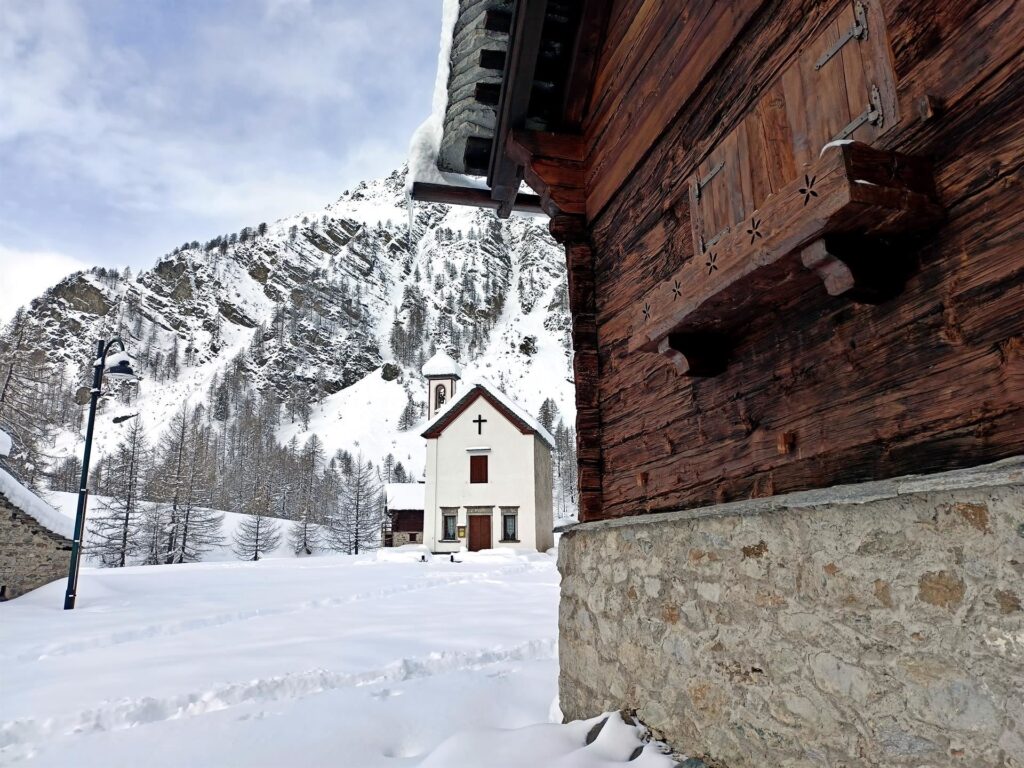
(506, 402)
(425, 144)
(405, 496)
(26, 501)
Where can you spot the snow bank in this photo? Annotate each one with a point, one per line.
(32, 505)
(342, 661)
(409, 553)
(553, 746)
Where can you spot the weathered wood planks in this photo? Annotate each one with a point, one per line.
(930, 380)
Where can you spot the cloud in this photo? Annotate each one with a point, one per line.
(25, 275)
(129, 116)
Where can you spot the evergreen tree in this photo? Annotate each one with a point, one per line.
(548, 414)
(255, 536)
(355, 527)
(117, 526)
(304, 535)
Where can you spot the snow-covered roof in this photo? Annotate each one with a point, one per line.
(405, 495)
(442, 364)
(5, 444)
(22, 498)
(499, 399)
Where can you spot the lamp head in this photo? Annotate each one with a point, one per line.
(119, 366)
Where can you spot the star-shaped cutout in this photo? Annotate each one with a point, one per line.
(807, 190)
(711, 263)
(647, 311)
(754, 230)
(677, 289)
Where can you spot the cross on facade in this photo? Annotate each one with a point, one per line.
(479, 421)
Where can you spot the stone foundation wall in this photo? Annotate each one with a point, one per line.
(30, 555)
(872, 625)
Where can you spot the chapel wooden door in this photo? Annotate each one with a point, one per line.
(479, 532)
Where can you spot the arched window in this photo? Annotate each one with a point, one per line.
(440, 396)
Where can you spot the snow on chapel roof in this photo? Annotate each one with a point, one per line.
(405, 495)
(441, 364)
(502, 402)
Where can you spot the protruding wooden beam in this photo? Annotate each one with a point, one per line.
(472, 196)
(830, 268)
(552, 165)
(695, 354)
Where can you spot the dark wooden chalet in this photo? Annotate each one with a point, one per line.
(793, 228)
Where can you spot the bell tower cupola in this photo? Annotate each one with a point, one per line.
(442, 373)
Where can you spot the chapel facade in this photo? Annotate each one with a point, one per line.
(488, 469)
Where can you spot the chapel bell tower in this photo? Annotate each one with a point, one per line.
(442, 372)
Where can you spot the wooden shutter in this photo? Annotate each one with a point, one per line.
(478, 469)
(841, 86)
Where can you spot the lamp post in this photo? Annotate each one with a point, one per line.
(120, 368)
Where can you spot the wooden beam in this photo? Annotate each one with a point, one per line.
(471, 196)
(834, 221)
(552, 165)
(586, 49)
(504, 175)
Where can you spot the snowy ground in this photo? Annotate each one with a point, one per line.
(323, 661)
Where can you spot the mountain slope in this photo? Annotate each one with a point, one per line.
(331, 312)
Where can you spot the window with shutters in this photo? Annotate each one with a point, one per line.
(478, 469)
(794, 193)
(841, 86)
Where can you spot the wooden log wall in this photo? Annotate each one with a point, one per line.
(819, 391)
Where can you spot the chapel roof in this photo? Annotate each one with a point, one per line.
(441, 364)
(505, 405)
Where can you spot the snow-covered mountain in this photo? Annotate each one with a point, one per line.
(333, 310)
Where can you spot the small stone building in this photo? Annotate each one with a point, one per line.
(35, 539)
(403, 514)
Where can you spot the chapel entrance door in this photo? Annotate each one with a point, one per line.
(479, 532)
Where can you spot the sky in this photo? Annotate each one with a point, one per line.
(128, 127)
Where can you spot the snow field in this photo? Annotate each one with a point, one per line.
(322, 661)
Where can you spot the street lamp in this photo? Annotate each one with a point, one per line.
(120, 368)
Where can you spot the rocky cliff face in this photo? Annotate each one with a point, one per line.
(314, 303)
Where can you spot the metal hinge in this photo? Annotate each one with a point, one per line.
(872, 114)
(859, 31)
(701, 183)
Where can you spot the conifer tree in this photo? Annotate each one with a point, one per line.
(117, 524)
(255, 536)
(355, 527)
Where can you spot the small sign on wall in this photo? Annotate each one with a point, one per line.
(461, 532)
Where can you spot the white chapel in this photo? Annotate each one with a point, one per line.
(489, 472)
